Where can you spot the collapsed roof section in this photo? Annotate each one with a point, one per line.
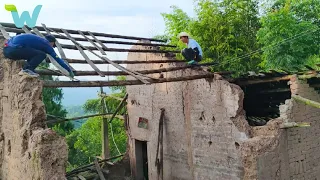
(98, 48)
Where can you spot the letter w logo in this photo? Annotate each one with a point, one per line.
(25, 16)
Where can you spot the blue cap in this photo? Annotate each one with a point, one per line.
(51, 38)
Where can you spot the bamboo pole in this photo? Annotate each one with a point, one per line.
(54, 84)
(306, 101)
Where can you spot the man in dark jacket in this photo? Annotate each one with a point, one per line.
(34, 49)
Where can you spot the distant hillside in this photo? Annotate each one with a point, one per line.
(76, 111)
(78, 96)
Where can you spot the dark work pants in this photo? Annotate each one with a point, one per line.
(33, 56)
(191, 54)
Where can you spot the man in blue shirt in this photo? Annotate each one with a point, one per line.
(193, 53)
(34, 49)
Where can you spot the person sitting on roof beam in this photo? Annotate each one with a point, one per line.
(34, 49)
(193, 54)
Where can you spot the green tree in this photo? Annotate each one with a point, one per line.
(86, 141)
(226, 31)
(289, 35)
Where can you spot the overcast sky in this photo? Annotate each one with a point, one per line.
(125, 17)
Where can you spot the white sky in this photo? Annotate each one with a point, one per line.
(132, 18)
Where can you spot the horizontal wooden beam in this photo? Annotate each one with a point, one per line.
(80, 61)
(73, 47)
(14, 30)
(11, 25)
(54, 84)
(112, 73)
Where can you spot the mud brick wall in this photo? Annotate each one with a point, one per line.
(304, 143)
(203, 129)
(28, 150)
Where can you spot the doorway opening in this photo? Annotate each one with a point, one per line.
(141, 160)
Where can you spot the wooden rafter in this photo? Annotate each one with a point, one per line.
(4, 32)
(15, 30)
(94, 44)
(114, 64)
(26, 30)
(84, 54)
(37, 32)
(97, 40)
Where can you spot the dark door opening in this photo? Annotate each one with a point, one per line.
(142, 160)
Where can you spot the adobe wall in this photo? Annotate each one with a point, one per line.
(206, 135)
(28, 150)
(204, 124)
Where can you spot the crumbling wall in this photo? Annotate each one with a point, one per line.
(285, 154)
(206, 135)
(203, 129)
(28, 150)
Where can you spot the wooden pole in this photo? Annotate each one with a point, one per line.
(104, 129)
(83, 168)
(76, 118)
(306, 101)
(119, 107)
(98, 168)
(54, 84)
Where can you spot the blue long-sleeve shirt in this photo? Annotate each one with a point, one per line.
(36, 42)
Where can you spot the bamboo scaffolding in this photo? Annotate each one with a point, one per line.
(54, 84)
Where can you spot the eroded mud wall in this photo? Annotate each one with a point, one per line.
(28, 150)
